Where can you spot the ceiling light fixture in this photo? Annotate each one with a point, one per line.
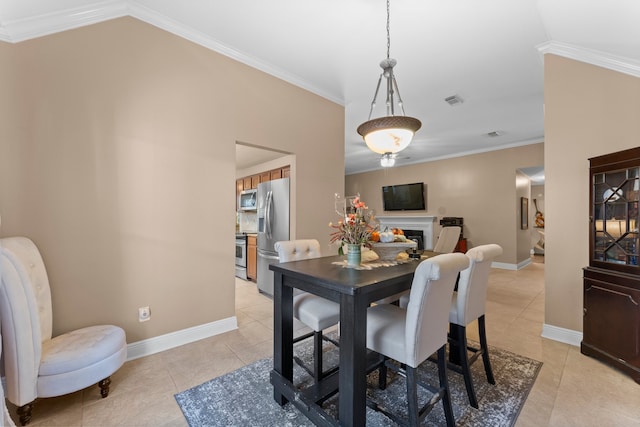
(389, 134)
(387, 160)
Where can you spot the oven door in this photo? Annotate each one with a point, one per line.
(241, 258)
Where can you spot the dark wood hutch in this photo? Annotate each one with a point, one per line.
(611, 313)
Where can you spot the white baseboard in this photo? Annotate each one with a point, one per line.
(567, 336)
(508, 266)
(178, 338)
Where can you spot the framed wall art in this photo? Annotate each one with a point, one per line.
(524, 213)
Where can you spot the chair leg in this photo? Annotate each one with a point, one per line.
(104, 387)
(464, 365)
(382, 373)
(444, 385)
(24, 413)
(485, 350)
(317, 356)
(412, 396)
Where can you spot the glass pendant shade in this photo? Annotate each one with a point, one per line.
(389, 134)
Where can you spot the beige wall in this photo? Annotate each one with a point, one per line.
(481, 188)
(121, 158)
(589, 111)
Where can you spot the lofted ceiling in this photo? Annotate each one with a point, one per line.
(488, 53)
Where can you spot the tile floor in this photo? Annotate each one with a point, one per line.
(571, 389)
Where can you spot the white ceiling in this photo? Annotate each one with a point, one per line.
(487, 52)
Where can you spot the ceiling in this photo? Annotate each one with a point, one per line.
(489, 53)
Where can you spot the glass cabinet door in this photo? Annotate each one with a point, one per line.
(615, 216)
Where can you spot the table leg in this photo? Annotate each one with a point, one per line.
(283, 333)
(353, 350)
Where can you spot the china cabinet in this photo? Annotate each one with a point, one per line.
(611, 310)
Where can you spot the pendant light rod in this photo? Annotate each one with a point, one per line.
(391, 133)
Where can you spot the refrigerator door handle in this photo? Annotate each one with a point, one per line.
(273, 257)
(268, 213)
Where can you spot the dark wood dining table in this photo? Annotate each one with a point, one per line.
(354, 290)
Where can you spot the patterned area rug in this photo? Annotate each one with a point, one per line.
(245, 397)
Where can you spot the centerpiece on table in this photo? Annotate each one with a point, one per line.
(354, 229)
(390, 243)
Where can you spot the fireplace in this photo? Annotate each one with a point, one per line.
(416, 235)
(422, 224)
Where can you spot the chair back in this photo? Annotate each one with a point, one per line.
(427, 317)
(25, 315)
(295, 250)
(472, 286)
(448, 239)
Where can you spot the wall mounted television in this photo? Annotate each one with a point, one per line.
(403, 197)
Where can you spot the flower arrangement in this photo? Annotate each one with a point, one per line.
(356, 225)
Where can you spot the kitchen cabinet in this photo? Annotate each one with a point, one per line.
(275, 174)
(255, 180)
(239, 188)
(611, 282)
(247, 183)
(252, 257)
(265, 176)
(286, 171)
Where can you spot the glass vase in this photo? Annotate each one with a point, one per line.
(354, 255)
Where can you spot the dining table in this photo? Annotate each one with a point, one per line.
(354, 289)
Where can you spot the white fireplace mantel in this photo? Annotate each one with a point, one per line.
(424, 223)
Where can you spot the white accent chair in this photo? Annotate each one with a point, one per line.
(35, 364)
(316, 312)
(447, 239)
(413, 334)
(468, 304)
(5, 419)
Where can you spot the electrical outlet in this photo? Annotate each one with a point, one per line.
(144, 314)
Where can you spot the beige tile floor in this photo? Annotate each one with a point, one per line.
(571, 389)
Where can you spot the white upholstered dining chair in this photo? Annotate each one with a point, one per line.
(411, 335)
(316, 312)
(37, 365)
(468, 304)
(447, 239)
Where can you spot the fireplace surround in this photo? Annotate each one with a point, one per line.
(423, 223)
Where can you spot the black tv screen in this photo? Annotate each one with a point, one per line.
(404, 197)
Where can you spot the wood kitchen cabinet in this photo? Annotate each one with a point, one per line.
(247, 183)
(611, 289)
(252, 257)
(265, 176)
(275, 174)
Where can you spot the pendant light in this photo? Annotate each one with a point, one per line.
(389, 134)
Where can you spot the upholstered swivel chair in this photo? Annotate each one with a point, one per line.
(35, 364)
(447, 239)
(316, 312)
(468, 304)
(413, 334)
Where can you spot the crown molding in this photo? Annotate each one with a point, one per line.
(43, 25)
(156, 19)
(593, 57)
(50, 23)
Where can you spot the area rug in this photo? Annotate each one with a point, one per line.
(245, 397)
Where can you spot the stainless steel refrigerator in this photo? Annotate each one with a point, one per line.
(273, 226)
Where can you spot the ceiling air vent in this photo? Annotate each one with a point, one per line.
(495, 133)
(453, 100)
